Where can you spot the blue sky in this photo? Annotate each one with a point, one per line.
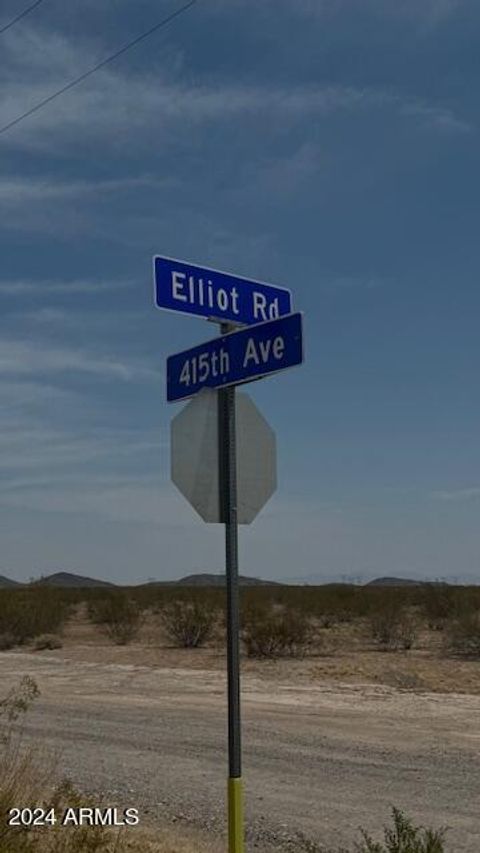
(330, 147)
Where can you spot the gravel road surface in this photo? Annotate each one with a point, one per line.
(319, 760)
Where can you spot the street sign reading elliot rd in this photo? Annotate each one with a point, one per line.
(190, 289)
(236, 357)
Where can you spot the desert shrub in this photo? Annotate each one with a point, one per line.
(107, 607)
(439, 604)
(275, 632)
(328, 620)
(16, 702)
(7, 641)
(334, 602)
(463, 635)
(403, 680)
(47, 641)
(188, 623)
(403, 837)
(383, 626)
(25, 614)
(15, 764)
(77, 839)
(98, 609)
(27, 777)
(407, 632)
(118, 615)
(393, 628)
(337, 602)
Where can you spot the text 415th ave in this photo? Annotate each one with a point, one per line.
(214, 364)
(237, 357)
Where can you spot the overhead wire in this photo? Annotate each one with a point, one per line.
(97, 67)
(20, 16)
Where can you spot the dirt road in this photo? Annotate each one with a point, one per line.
(319, 760)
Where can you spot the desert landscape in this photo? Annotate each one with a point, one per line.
(355, 701)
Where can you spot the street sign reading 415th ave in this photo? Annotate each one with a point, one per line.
(190, 289)
(236, 357)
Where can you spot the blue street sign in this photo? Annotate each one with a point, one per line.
(236, 357)
(190, 289)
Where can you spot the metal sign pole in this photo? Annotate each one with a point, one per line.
(228, 498)
(271, 342)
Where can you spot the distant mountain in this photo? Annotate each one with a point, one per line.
(7, 582)
(71, 580)
(392, 581)
(219, 580)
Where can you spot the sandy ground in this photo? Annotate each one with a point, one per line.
(345, 654)
(320, 759)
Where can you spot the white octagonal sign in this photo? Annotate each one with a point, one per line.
(194, 449)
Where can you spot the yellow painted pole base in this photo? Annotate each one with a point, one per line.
(235, 816)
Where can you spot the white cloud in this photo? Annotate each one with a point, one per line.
(426, 12)
(422, 13)
(46, 317)
(437, 117)
(15, 395)
(20, 190)
(32, 287)
(25, 358)
(50, 450)
(284, 175)
(469, 494)
(55, 206)
(99, 322)
(54, 440)
(350, 282)
(118, 106)
(130, 501)
(302, 7)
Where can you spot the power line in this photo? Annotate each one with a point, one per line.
(20, 16)
(97, 67)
